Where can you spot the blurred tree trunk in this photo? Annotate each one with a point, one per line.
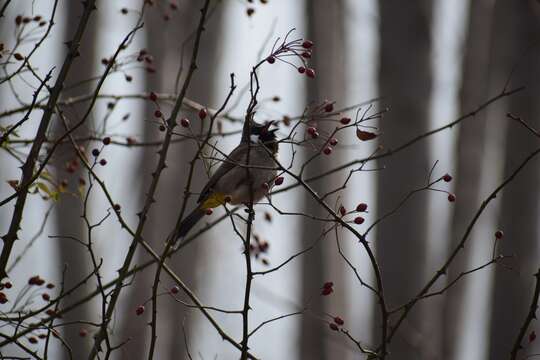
(164, 43)
(469, 160)
(69, 209)
(405, 81)
(517, 30)
(326, 29)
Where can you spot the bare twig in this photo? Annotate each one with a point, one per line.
(528, 319)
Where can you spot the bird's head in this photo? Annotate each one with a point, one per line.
(264, 133)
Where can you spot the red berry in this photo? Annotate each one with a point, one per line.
(106, 140)
(306, 54)
(184, 122)
(175, 290)
(32, 340)
(102, 162)
(339, 321)
(451, 197)
(153, 96)
(328, 284)
(333, 326)
(50, 286)
(307, 44)
(124, 11)
(310, 73)
(342, 210)
(250, 11)
(329, 107)
(333, 141)
(158, 113)
(279, 180)
(263, 246)
(271, 59)
(117, 207)
(447, 178)
(95, 152)
(8, 285)
(129, 78)
(327, 150)
(83, 332)
(345, 120)
(301, 69)
(499, 234)
(209, 211)
(361, 207)
(327, 291)
(3, 298)
(359, 220)
(202, 114)
(36, 280)
(312, 131)
(532, 336)
(18, 57)
(139, 310)
(46, 296)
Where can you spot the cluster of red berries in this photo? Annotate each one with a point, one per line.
(327, 289)
(447, 178)
(258, 248)
(148, 60)
(336, 323)
(361, 207)
(250, 10)
(96, 152)
(301, 49)
(20, 19)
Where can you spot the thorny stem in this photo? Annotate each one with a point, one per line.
(28, 168)
(171, 122)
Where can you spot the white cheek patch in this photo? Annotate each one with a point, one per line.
(254, 139)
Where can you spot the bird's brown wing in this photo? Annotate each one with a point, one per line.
(227, 165)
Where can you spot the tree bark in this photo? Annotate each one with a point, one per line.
(69, 209)
(469, 162)
(517, 28)
(405, 81)
(164, 42)
(326, 21)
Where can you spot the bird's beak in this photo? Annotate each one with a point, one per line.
(271, 126)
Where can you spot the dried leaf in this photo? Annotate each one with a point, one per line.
(365, 135)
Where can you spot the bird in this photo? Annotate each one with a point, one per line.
(239, 180)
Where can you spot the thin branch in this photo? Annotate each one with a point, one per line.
(528, 319)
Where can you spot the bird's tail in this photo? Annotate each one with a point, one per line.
(190, 221)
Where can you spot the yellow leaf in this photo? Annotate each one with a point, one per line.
(43, 187)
